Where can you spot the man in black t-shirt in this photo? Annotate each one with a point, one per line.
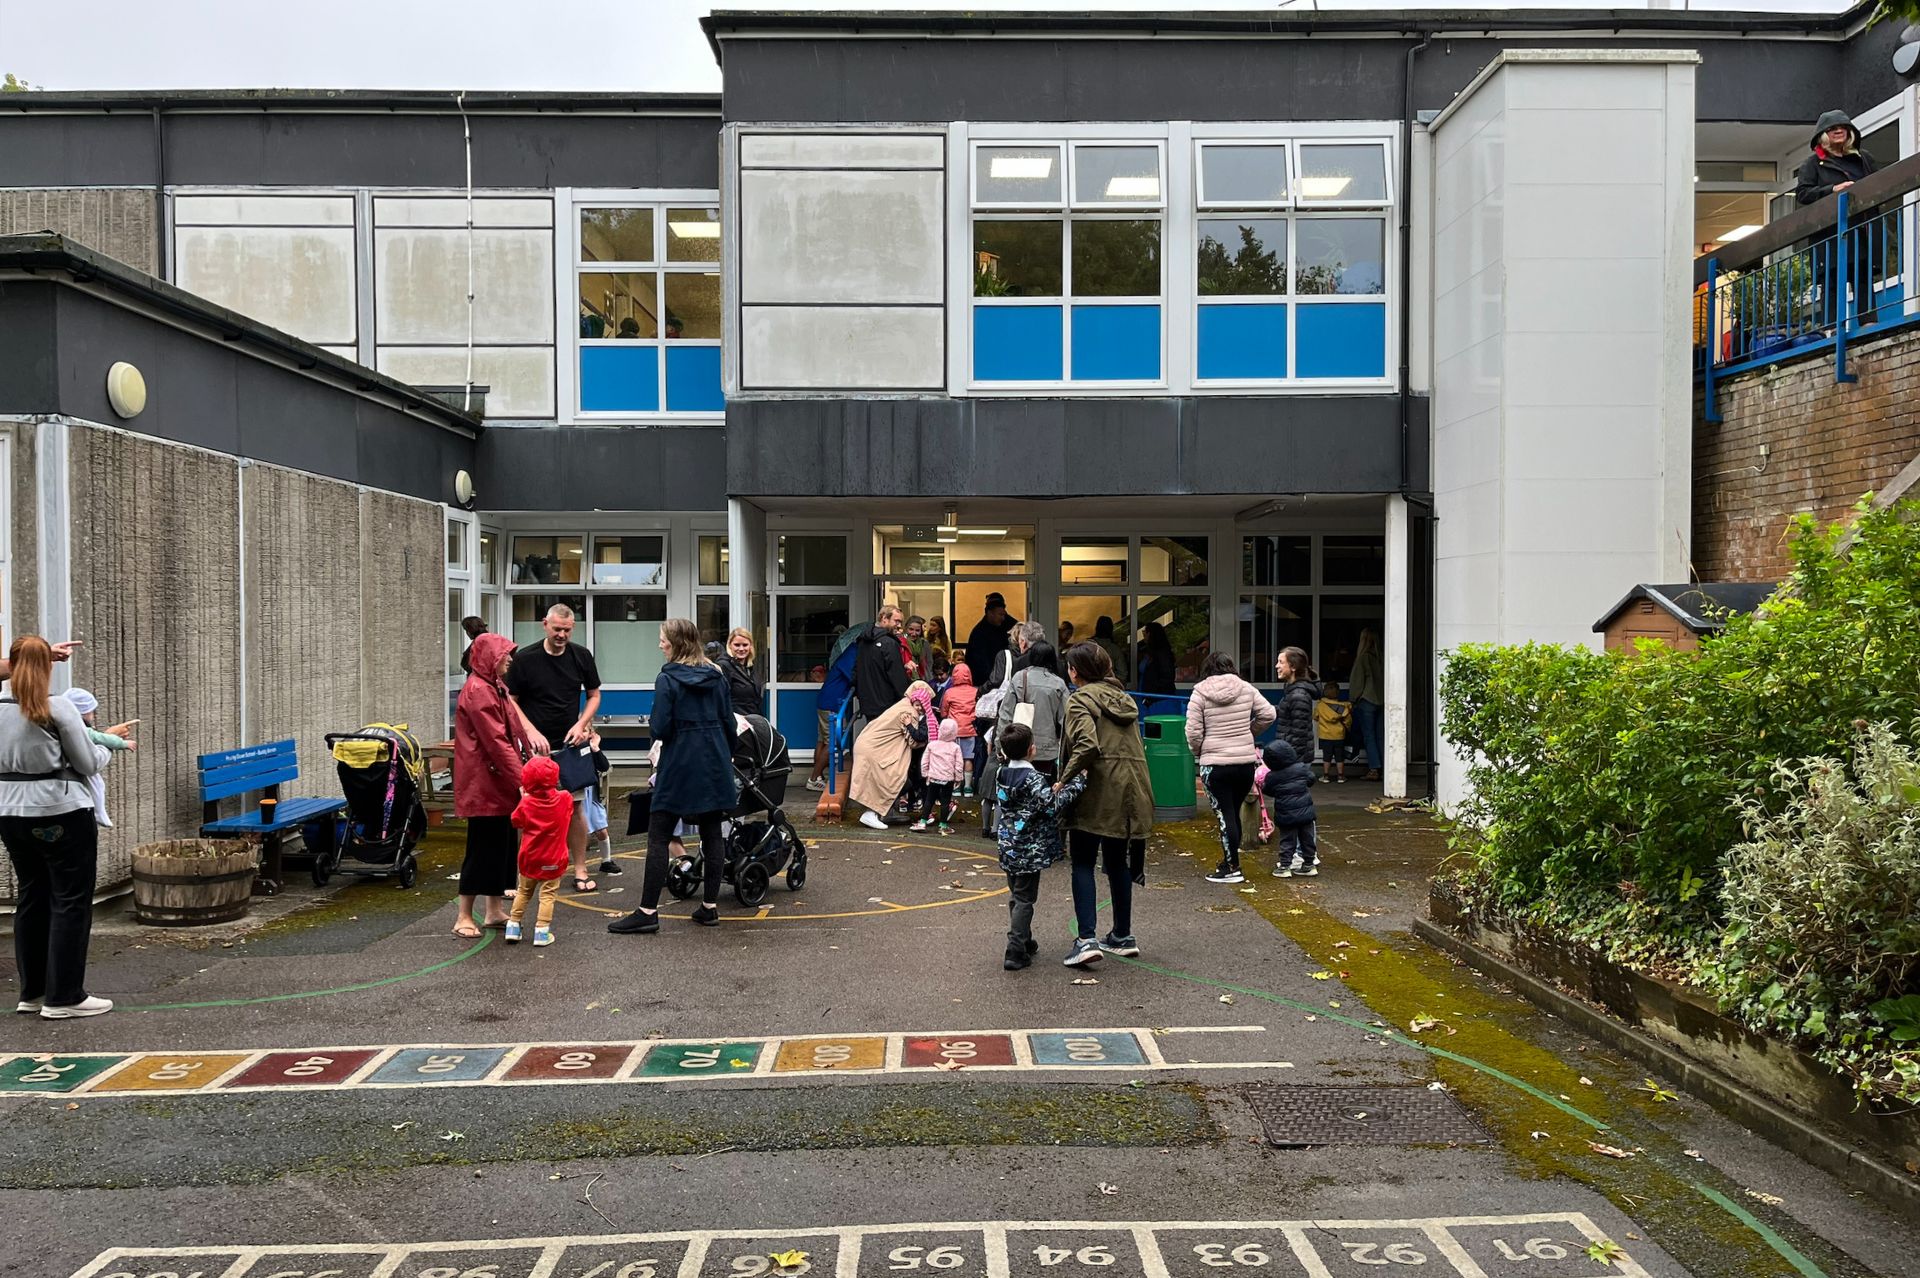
(544, 682)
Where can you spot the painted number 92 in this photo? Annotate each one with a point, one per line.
(914, 1257)
(1391, 1254)
(1217, 1255)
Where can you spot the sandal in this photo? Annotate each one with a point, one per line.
(584, 884)
(466, 930)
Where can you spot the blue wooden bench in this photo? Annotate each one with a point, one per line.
(264, 768)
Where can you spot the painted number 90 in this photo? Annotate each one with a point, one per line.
(1216, 1254)
(914, 1257)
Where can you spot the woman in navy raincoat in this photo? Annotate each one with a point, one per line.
(692, 723)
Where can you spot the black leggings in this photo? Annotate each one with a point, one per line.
(1228, 785)
(1114, 856)
(713, 854)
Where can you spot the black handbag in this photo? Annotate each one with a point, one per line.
(577, 772)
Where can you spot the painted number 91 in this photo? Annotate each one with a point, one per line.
(1534, 1249)
(1217, 1255)
(914, 1257)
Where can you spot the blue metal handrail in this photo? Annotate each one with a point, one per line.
(1818, 296)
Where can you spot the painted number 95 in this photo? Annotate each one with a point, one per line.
(914, 1257)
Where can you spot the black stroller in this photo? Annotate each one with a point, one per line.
(381, 775)
(761, 842)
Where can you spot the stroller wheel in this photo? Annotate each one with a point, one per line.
(407, 871)
(683, 879)
(751, 887)
(797, 872)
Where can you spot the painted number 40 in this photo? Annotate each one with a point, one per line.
(1049, 1256)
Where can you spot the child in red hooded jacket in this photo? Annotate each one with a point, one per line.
(957, 703)
(543, 818)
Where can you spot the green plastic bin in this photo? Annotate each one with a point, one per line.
(1169, 766)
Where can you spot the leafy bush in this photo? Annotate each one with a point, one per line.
(1608, 792)
(1822, 907)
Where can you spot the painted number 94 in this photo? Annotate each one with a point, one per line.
(1049, 1256)
(1217, 1255)
(937, 1258)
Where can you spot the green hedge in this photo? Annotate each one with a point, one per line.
(1607, 790)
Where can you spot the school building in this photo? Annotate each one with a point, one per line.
(1266, 329)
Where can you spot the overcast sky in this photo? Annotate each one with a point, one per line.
(635, 45)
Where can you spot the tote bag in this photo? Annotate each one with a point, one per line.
(1023, 712)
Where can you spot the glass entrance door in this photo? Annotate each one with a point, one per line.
(932, 573)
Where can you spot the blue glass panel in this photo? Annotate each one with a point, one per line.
(693, 380)
(1341, 340)
(626, 700)
(795, 710)
(620, 379)
(1116, 343)
(1243, 341)
(1016, 344)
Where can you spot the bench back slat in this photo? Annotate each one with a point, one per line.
(230, 772)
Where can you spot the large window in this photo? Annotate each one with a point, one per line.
(616, 584)
(1068, 271)
(1309, 591)
(647, 280)
(811, 606)
(420, 263)
(1122, 585)
(285, 260)
(713, 576)
(1290, 253)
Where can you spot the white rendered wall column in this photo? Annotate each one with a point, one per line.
(1393, 644)
(747, 585)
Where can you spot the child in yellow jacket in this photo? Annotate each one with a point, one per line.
(1332, 717)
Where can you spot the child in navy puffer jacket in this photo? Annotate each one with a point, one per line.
(1289, 784)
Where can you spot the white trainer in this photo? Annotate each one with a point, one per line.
(85, 1007)
(27, 1006)
(872, 820)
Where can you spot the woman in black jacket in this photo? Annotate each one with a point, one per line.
(743, 687)
(1836, 163)
(1295, 721)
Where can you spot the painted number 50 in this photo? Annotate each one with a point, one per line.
(914, 1257)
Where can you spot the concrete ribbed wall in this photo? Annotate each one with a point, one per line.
(117, 221)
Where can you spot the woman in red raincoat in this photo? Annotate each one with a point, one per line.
(487, 750)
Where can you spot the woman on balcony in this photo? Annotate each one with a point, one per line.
(1836, 163)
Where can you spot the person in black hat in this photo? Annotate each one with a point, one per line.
(988, 639)
(1836, 163)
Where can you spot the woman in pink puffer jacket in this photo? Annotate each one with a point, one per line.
(1224, 716)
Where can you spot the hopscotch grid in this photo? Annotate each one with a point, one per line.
(637, 1053)
(1449, 1246)
(1303, 1251)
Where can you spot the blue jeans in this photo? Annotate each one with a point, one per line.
(1112, 855)
(1368, 714)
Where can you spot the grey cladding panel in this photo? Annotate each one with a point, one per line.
(76, 150)
(602, 468)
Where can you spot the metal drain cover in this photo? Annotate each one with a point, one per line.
(1303, 1117)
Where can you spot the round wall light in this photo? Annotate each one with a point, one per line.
(463, 489)
(126, 390)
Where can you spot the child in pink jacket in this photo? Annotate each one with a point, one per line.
(942, 764)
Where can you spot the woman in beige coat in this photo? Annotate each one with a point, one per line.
(883, 754)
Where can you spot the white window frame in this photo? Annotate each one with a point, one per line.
(1315, 588)
(1133, 589)
(584, 624)
(700, 589)
(7, 630)
(776, 589)
(464, 579)
(1293, 210)
(1067, 211)
(567, 271)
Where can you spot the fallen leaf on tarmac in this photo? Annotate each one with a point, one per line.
(1606, 1252)
(1538, 1135)
(592, 1005)
(1771, 1200)
(73, 1104)
(949, 1065)
(1660, 1094)
(1296, 911)
(1226, 998)
(1611, 1151)
(788, 1259)
(452, 1135)
(1585, 1081)
(1086, 980)
(1312, 1017)
(1421, 1024)
(1342, 945)
(1105, 1188)
(1321, 975)
(1437, 1086)
(1333, 1002)
(401, 1127)
(1694, 1154)
(737, 1063)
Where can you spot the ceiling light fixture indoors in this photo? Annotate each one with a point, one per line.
(695, 230)
(1018, 167)
(1133, 188)
(1324, 188)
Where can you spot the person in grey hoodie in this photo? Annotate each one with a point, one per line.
(1224, 716)
(47, 825)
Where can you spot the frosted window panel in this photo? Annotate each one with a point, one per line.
(298, 280)
(1116, 175)
(1017, 175)
(693, 305)
(1341, 174)
(626, 637)
(519, 379)
(420, 286)
(262, 210)
(452, 212)
(1243, 174)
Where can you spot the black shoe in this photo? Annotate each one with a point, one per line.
(1227, 873)
(1033, 947)
(707, 916)
(610, 866)
(638, 923)
(1015, 961)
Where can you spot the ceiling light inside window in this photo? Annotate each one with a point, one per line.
(1324, 188)
(983, 532)
(1021, 166)
(1133, 188)
(1738, 233)
(946, 539)
(695, 230)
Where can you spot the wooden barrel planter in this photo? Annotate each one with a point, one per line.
(189, 882)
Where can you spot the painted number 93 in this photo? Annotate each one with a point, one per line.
(1217, 1255)
(914, 1257)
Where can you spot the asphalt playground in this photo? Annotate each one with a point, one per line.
(844, 1080)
